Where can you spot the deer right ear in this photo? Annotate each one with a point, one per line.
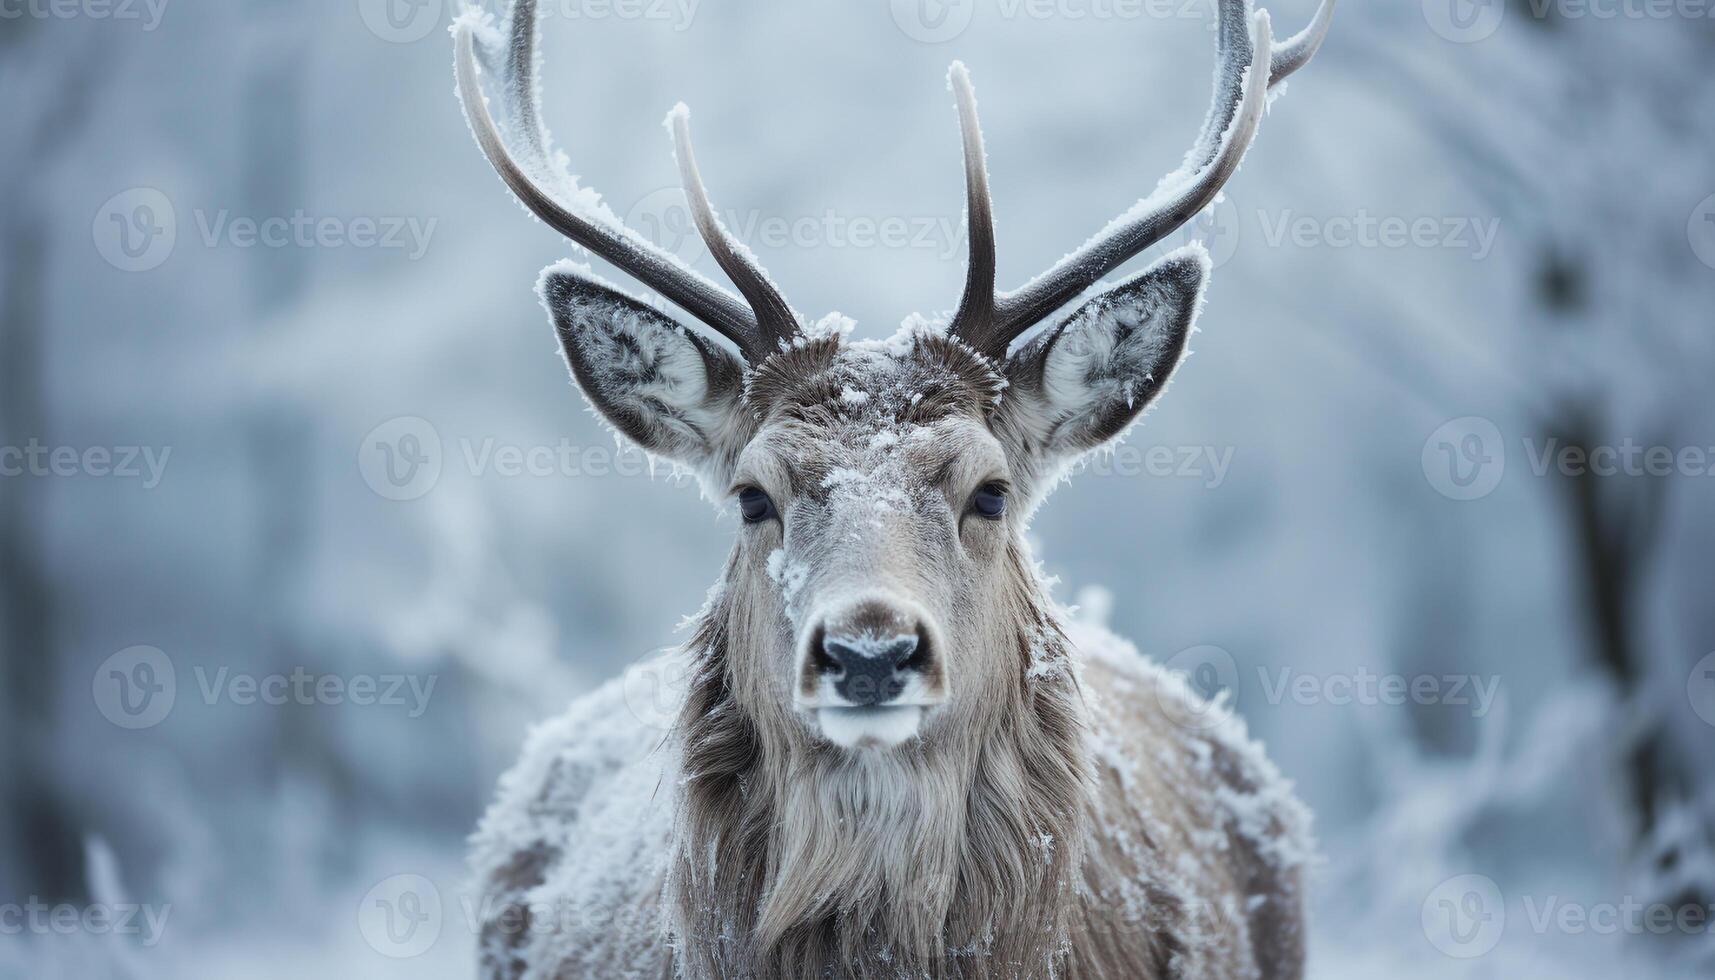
(669, 390)
(1081, 385)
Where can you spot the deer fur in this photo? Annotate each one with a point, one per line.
(1012, 792)
(1071, 811)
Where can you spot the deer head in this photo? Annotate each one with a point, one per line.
(878, 590)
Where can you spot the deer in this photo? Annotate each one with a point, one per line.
(891, 753)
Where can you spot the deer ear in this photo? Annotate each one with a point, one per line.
(1082, 384)
(670, 390)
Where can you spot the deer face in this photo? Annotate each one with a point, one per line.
(881, 489)
(878, 586)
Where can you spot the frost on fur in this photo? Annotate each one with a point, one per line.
(669, 390)
(1084, 383)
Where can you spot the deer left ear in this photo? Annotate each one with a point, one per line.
(673, 392)
(1083, 383)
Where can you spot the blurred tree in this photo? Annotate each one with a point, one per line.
(38, 824)
(1556, 121)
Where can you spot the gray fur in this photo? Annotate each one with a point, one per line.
(1068, 811)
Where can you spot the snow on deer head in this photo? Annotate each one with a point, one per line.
(880, 590)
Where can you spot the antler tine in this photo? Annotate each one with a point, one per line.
(1153, 220)
(632, 254)
(1233, 45)
(775, 319)
(1298, 49)
(1234, 115)
(977, 307)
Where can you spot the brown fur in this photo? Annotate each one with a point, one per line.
(1070, 811)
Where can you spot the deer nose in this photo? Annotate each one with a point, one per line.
(870, 670)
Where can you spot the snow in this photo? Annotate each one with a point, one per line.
(1324, 369)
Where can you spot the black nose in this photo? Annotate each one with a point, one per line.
(870, 670)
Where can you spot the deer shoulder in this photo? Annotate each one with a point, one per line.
(1196, 839)
(569, 860)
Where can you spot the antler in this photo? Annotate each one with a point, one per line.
(991, 321)
(757, 329)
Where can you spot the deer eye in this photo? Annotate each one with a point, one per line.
(990, 501)
(755, 505)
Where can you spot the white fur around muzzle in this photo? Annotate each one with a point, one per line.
(881, 727)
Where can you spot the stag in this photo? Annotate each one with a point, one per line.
(894, 755)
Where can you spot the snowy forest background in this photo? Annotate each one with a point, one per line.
(1382, 407)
